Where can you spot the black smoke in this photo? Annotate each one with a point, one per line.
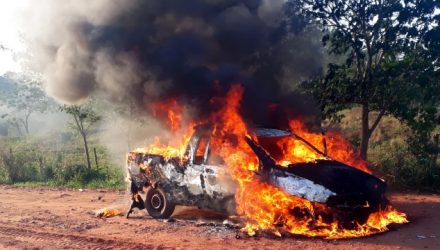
(191, 50)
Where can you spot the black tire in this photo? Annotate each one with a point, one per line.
(157, 204)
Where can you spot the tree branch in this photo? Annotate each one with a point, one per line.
(376, 122)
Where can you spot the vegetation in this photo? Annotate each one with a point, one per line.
(84, 118)
(24, 98)
(390, 152)
(71, 157)
(36, 160)
(381, 89)
(385, 67)
(389, 66)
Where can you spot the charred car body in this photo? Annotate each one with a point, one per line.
(202, 180)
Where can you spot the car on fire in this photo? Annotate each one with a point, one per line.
(201, 179)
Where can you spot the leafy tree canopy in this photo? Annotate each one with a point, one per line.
(23, 96)
(391, 67)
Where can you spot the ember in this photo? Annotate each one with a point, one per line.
(264, 195)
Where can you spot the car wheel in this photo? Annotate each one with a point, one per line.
(157, 204)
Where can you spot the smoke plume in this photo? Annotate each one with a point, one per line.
(143, 51)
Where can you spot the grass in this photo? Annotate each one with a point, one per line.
(32, 162)
(97, 184)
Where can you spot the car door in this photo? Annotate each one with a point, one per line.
(193, 177)
(208, 170)
(218, 182)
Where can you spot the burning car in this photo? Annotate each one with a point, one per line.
(198, 179)
(201, 179)
(293, 181)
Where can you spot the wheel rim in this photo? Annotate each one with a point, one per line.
(156, 201)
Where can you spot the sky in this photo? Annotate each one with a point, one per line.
(9, 35)
(11, 44)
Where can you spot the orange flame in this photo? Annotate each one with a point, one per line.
(264, 206)
(174, 148)
(107, 212)
(170, 111)
(338, 148)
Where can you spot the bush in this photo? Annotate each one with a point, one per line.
(24, 160)
(402, 158)
(82, 176)
(402, 169)
(21, 166)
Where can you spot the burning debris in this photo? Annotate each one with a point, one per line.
(286, 182)
(107, 212)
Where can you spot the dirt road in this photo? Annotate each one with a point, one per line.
(47, 218)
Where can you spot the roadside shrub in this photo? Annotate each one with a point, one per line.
(21, 166)
(26, 160)
(4, 178)
(402, 158)
(80, 173)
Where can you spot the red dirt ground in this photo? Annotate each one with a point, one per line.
(49, 218)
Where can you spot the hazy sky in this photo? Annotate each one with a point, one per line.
(9, 35)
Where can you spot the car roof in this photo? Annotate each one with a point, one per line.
(271, 132)
(259, 132)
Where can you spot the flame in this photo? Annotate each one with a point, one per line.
(107, 212)
(339, 149)
(264, 206)
(174, 148)
(171, 110)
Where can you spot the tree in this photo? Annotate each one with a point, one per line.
(83, 118)
(375, 36)
(24, 98)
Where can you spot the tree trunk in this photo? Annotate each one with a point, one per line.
(26, 123)
(17, 126)
(366, 133)
(96, 158)
(86, 149)
(436, 151)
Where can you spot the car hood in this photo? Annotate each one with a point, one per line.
(327, 181)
